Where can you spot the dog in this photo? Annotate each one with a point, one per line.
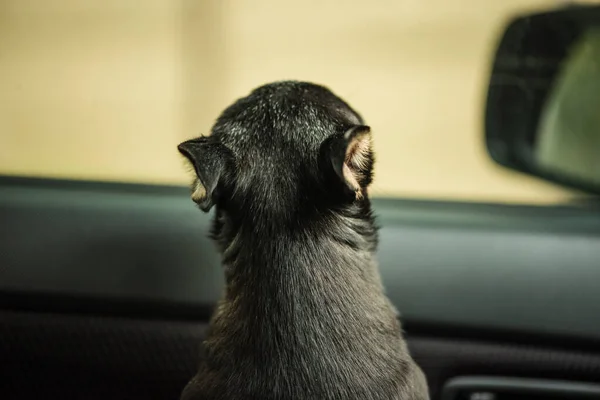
(304, 314)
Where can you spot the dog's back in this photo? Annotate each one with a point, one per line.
(303, 315)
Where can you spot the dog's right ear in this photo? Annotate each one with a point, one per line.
(350, 156)
(209, 158)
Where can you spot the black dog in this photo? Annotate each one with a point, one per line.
(304, 314)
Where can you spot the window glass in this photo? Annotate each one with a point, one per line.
(106, 90)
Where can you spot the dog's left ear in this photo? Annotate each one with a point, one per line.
(351, 156)
(209, 158)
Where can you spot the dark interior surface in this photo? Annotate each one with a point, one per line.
(105, 289)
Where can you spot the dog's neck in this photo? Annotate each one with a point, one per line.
(331, 263)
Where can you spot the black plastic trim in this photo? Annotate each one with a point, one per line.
(520, 386)
(115, 249)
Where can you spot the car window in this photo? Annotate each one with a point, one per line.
(106, 90)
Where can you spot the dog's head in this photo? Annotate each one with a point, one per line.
(285, 152)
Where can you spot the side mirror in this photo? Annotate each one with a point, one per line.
(542, 115)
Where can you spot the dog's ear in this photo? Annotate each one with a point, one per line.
(351, 156)
(209, 159)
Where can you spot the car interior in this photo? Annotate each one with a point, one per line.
(107, 286)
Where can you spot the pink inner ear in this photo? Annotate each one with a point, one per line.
(357, 156)
(350, 178)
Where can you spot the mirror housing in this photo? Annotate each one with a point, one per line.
(542, 115)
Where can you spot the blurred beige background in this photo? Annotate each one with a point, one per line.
(106, 89)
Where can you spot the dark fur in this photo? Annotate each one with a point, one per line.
(304, 315)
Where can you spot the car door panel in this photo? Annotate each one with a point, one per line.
(106, 289)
